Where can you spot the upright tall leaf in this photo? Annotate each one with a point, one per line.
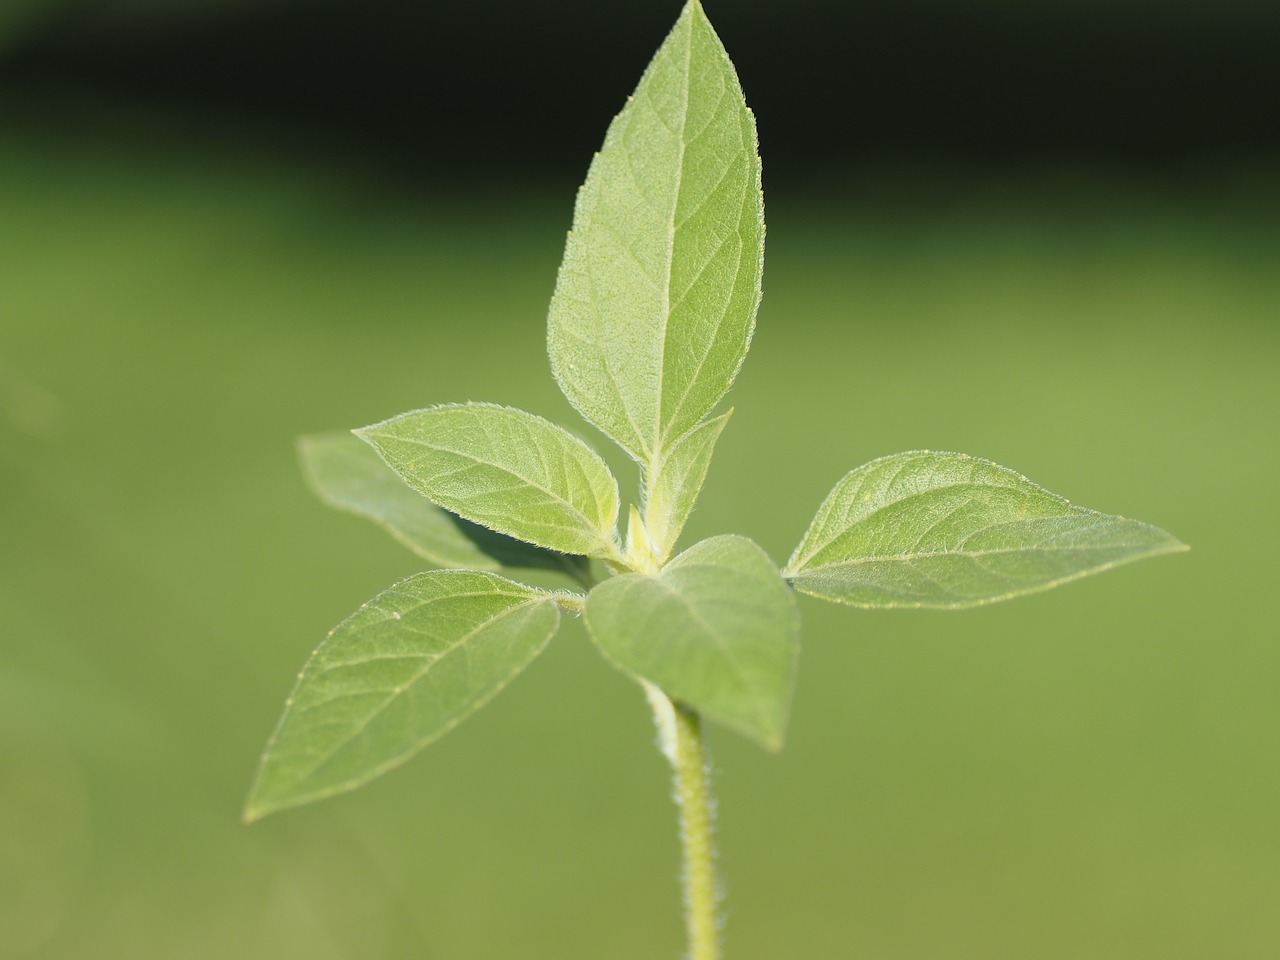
(402, 671)
(946, 530)
(347, 473)
(507, 470)
(657, 294)
(716, 629)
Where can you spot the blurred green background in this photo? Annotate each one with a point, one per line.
(1050, 238)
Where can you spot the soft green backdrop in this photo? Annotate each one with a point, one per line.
(1081, 775)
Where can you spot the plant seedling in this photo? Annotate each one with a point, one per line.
(651, 318)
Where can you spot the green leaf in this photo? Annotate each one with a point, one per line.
(945, 530)
(347, 473)
(674, 486)
(402, 671)
(506, 470)
(716, 629)
(656, 298)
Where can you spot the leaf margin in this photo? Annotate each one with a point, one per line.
(257, 808)
(692, 19)
(606, 546)
(795, 575)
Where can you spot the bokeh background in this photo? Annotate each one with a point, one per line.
(1048, 234)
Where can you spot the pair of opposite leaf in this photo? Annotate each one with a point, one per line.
(651, 318)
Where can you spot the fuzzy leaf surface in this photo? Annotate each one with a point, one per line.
(675, 484)
(347, 473)
(946, 530)
(402, 671)
(656, 298)
(507, 470)
(717, 629)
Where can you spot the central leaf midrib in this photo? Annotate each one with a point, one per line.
(988, 552)
(655, 443)
(845, 528)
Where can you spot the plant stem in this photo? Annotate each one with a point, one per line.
(680, 730)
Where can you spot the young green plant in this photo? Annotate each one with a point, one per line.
(651, 318)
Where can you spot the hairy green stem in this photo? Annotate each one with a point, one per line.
(680, 730)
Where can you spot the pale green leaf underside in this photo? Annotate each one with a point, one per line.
(657, 294)
(946, 530)
(402, 671)
(675, 484)
(716, 629)
(506, 470)
(347, 473)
